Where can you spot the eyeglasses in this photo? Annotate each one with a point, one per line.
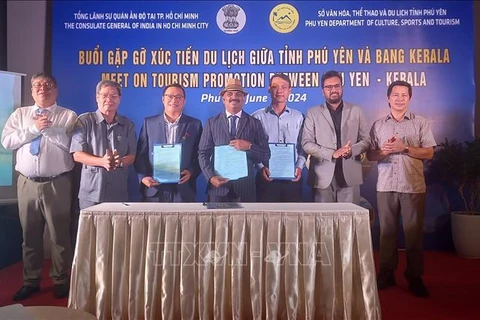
(111, 96)
(277, 88)
(173, 96)
(334, 86)
(46, 85)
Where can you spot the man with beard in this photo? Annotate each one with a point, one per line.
(104, 142)
(335, 134)
(172, 126)
(236, 128)
(282, 125)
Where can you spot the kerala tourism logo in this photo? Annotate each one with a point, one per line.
(231, 18)
(284, 18)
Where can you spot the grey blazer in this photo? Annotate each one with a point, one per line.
(320, 142)
(216, 133)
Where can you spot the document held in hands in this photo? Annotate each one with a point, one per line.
(229, 162)
(282, 161)
(166, 162)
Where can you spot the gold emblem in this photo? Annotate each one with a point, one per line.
(284, 18)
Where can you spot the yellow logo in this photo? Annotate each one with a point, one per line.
(284, 18)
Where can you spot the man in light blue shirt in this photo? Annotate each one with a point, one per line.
(282, 125)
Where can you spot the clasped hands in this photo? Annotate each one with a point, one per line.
(111, 160)
(42, 121)
(393, 145)
(343, 152)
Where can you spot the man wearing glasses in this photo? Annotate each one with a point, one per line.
(104, 142)
(41, 136)
(335, 134)
(168, 128)
(236, 128)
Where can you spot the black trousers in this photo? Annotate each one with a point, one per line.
(278, 190)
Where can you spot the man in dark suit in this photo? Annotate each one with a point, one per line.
(170, 127)
(236, 128)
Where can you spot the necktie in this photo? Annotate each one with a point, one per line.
(233, 126)
(35, 144)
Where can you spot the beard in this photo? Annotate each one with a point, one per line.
(334, 100)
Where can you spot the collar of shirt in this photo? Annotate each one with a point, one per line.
(168, 121)
(118, 119)
(408, 115)
(51, 109)
(238, 114)
(339, 108)
(270, 110)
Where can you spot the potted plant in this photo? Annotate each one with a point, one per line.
(456, 167)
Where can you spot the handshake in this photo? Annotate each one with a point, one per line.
(112, 160)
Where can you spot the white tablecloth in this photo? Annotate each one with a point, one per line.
(261, 261)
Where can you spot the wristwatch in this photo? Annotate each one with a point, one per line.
(406, 150)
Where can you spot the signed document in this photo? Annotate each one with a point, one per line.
(282, 161)
(230, 163)
(166, 162)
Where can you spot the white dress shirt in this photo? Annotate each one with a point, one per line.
(171, 129)
(238, 114)
(54, 157)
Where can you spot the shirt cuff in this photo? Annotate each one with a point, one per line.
(260, 166)
(300, 162)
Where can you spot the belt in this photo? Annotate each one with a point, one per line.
(46, 179)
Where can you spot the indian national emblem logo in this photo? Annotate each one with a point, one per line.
(231, 18)
(284, 18)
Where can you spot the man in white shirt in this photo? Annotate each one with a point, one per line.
(40, 135)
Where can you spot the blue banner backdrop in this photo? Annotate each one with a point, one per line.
(200, 44)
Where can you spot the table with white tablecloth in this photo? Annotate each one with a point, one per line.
(255, 261)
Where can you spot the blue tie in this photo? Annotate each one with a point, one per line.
(35, 145)
(233, 126)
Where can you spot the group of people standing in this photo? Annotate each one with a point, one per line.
(48, 139)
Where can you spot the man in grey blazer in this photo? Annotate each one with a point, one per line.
(170, 127)
(335, 134)
(236, 128)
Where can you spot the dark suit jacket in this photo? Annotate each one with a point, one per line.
(216, 133)
(153, 132)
